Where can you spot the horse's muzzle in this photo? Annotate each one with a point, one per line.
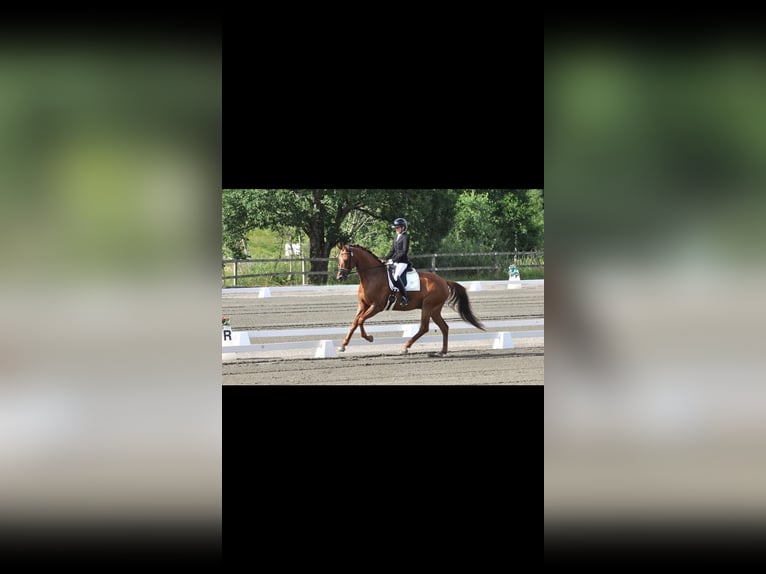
(342, 275)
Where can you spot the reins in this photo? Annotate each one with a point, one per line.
(381, 266)
(357, 270)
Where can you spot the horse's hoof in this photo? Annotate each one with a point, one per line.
(369, 339)
(403, 352)
(341, 349)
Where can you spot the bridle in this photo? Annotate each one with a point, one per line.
(349, 270)
(350, 255)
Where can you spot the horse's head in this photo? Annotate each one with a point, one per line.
(346, 262)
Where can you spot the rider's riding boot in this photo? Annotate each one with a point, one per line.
(402, 288)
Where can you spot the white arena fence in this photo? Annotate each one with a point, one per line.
(234, 342)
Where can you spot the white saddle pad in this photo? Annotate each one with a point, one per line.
(413, 281)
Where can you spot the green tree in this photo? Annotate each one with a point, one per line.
(520, 213)
(475, 225)
(497, 220)
(236, 222)
(329, 216)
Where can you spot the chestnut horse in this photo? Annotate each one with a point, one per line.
(374, 290)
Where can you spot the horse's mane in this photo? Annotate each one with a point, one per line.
(364, 249)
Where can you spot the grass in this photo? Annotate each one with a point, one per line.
(265, 244)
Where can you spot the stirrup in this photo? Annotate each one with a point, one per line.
(391, 298)
(405, 300)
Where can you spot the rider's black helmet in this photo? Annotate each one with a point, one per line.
(400, 221)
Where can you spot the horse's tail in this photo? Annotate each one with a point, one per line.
(459, 296)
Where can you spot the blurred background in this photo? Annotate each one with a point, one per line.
(110, 170)
(655, 166)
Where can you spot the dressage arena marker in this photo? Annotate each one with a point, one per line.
(503, 341)
(326, 350)
(514, 282)
(231, 338)
(408, 330)
(264, 292)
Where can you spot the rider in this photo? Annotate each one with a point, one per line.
(398, 255)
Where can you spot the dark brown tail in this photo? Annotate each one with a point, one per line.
(459, 296)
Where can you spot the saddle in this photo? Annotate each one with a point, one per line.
(410, 279)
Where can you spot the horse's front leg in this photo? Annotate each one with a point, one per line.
(359, 311)
(373, 309)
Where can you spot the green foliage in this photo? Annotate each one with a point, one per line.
(430, 213)
(446, 220)
(364, 229)
(475, 225)
(329, 216)
(236, 223)
(497, 220)
(522, 214)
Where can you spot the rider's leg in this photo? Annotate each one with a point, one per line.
(401, 268)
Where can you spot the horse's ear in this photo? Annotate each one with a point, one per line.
(339, 245)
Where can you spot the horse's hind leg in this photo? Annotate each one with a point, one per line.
(439, 320)
(424, 322)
